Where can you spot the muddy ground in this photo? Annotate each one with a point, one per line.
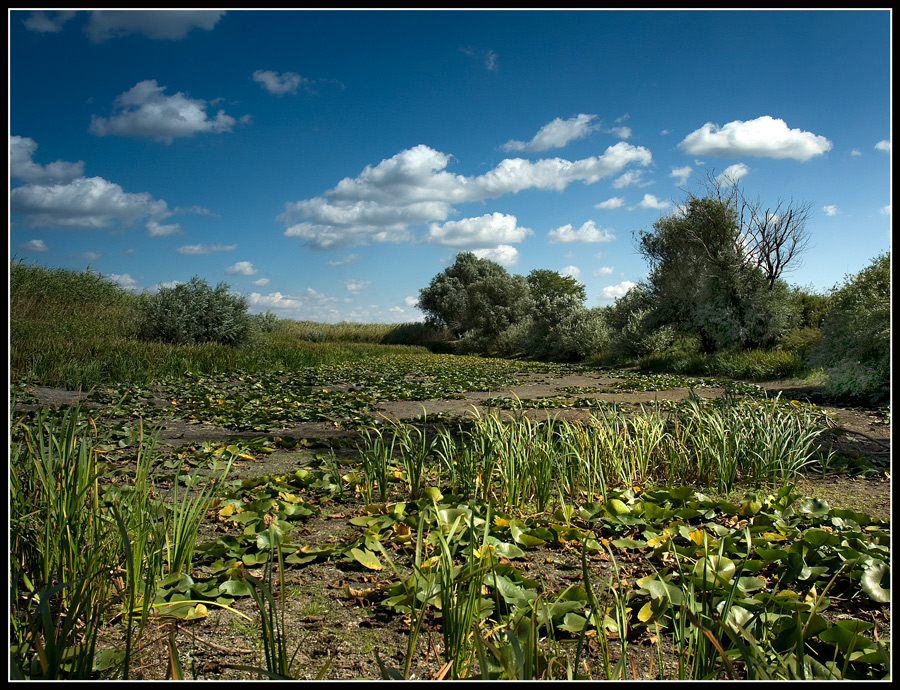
(340, 633)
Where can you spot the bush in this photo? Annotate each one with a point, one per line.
(193, 312)
(856, 334)
(562, 330)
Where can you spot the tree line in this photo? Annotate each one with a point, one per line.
(715, 283)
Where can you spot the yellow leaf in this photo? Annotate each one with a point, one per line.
(658, 539)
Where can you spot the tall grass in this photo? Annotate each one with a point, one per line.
(79, 330)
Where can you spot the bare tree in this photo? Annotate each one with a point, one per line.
(771, 238)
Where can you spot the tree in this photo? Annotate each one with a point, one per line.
(546, 283)
(856, 333)
(703, 281)
(772, 239)
(476, 299)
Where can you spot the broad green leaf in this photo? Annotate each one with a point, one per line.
(235, 588)
(876, 582)
(653, 609)
(367, 559)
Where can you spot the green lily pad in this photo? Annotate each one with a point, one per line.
(876, 582)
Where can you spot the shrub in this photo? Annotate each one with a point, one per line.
(193, 312)
(562, 330)
(856, 334)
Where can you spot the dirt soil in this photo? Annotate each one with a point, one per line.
(339, 630)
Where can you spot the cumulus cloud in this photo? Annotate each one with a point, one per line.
(307, 305)
(411, 301)
(621, 131)
(169, 25)
(732, 174)
(241, 268)
(489, 230)
(571, 271)
(23, 167)
(613, 202)
(85, 202)
(883, 145)
(588, 232)
(603, 271)
(413, 187)
(632, 177)
(155, 229)
(261, 282)
(681, 174)
(279, 84)
(34, 246)
(123, 280)
(206, 248)
(830, 210)
(650, 201)
(504, 254)
(556, 134)
(47, 22)
(615, 291)
(145, 110)
(765, 136)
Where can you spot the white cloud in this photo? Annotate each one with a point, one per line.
(588, 232)
(557, 134)
(622, 132)
(241, 268)
(88, 256)
(123, 280)
(85, 202)
(411, 300)
(886, 210)
(308, 305)
(145, 110)
(47, 22)
(732, 174)
(504, 254)
(614, 202)
(830, 210)
(34, 246)
(765, 136)
(154, 229)
(413, 187)
(632, 177)
(855, 152)
(490, 61)
(650, 201)
(571, 271)
(206, 248)
(603, 271)
(487, 231)
(355, 286)
(681, 174)
(169, 25)
(279, 84)
(22, 167)
(261, 282)
(615, 291)
(883, 145)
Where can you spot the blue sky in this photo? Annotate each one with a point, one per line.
(327, 164)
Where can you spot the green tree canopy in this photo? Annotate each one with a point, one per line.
(546, 283)
(703, 282)
(477, 299)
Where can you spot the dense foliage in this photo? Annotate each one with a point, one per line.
(856, 333)
(194, 312)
